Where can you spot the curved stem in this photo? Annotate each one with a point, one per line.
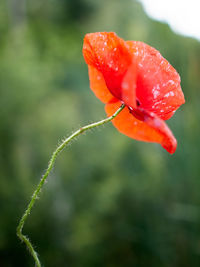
(44, 177)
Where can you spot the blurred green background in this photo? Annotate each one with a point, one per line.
(110, 201)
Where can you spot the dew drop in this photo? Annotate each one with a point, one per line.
(125, 85)
(155, 93)
(167, 95)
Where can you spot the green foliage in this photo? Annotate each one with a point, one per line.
(110, 201)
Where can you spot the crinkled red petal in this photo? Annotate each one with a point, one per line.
(128, 86)
(110, 55)
(151, 129)
(158, 84)
(98, 85)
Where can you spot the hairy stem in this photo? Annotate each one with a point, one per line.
(44, 177)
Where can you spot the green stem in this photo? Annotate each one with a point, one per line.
(44, 177)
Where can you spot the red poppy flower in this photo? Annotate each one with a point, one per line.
(135, 74)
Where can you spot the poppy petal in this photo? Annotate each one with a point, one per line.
(98, 85)
(152, 129)
(110, 55)
(158, 83)
(128, 86)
